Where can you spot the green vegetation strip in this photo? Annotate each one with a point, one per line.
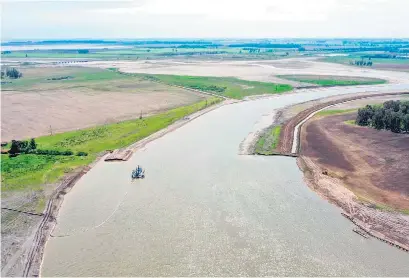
(268, 142)
(224, 86)
(29, 171)
(329, 81)
(335, 112)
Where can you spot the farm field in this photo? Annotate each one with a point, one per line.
(356, 155)
(254, 70)
(34, 170)
(223, 86)
(137, 53)
(378, 63)
(36, 105)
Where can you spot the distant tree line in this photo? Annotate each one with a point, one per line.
(252, 50)
(30, 147)
(267, 45)
(362, 63)
(191, 53)
(11, 73)
(392, 115)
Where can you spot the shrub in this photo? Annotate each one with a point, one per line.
(13, 73)
(52, 152)
(82, 154)
(33, 144)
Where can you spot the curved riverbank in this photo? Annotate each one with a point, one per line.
(35, 254)
(217, 208)
(389, 227)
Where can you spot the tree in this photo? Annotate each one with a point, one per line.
(377, 119)
(13, 73)
(404, 107)
(364, 115)
(32, 145)
(405, 123)
(2, 74)
(15, 147)
(387, 119)
(391, 104)
(396, 122)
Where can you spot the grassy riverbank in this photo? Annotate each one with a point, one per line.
(268, 142)
(30, 171)
(335, 112)
(224, 86)
(330, 81)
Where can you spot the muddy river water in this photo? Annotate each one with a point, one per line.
(204, 210)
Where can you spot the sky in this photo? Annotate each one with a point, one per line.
(204, 19)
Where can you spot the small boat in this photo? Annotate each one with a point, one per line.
(138, 173)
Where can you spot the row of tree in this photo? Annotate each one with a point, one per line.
(30, 147)
(392, 115)
(11, 73)
(362, 63)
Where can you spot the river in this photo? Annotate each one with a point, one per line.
(204, 210)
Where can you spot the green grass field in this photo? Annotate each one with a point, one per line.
(333, 81)
(145, 52)
(30, 171)
(268, 141)
(335, 112)
(355, 57)
(40, 78)
(224, 86)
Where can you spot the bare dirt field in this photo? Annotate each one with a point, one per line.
(397, 67)
(30, 108)
(362, 170)
(251, 70)
(372, 163)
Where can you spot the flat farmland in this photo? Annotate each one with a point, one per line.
(371, 163)
(80, 97)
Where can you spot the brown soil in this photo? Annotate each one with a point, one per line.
(289, 123)
(361, 170)
(30, 114)
(397, 67)
(372, 163)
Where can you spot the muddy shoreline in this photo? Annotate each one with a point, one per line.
(388, 227)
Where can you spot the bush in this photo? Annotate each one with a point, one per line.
(52, 152)
(13, 73)
(82, 154)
